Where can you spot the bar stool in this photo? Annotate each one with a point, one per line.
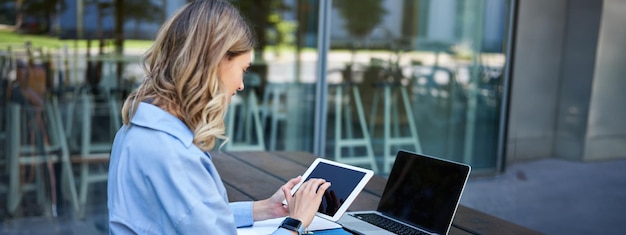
(391, 110)
(4, 84)
(245, 112)
(94, 155)
(343, 104)
(20, 154)
(87, 104)
(34, 132)
(273, 110)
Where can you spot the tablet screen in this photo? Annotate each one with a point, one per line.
(346, 183)
(343, 181)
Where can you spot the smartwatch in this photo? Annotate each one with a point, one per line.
(292, 224)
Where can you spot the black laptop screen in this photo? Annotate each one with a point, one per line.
(423, 191)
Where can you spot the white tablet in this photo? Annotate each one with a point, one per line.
(346, 183)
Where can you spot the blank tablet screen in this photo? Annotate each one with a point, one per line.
(343, 181)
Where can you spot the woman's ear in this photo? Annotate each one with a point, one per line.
(229, 55)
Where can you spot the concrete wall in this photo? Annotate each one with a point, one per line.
(535, 79)
(568, 85)
(575, 82)
(606, 135)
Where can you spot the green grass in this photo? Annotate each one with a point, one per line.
(10, 38)
(138, 44)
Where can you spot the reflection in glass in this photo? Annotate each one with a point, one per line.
(285, 64)
(419, 75)
(428, 74)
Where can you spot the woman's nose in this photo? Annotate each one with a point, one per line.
(240, 88)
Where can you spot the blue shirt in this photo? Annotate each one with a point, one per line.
(161, 183)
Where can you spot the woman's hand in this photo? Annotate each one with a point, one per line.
(306, 201)
(273, 207)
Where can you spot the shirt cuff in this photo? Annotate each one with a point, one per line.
(243, 213)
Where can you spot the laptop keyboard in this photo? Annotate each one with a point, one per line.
(388, 224)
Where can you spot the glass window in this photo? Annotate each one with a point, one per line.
(423, 76)
(280, 85)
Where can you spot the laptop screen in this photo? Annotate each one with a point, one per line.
(423, 191)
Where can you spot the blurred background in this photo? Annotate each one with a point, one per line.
(529, 93)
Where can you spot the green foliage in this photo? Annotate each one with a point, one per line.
(42, 8)
(140, 10)
(143, 10)
(263, 15)
(362, 16)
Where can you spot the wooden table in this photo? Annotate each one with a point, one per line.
(257, 175)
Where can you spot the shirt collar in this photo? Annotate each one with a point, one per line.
(153, 117)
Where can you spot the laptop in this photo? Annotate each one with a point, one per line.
(421, 197)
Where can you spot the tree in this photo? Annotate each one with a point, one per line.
(142, 11)
(139, 10)
(135, 9)
(360, 17)
(44, 10)
(259, 13)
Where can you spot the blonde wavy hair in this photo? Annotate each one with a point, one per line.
(181, 67)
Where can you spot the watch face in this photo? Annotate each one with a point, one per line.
(291, 224)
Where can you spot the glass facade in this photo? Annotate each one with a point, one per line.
(423, 76)
(282, 79)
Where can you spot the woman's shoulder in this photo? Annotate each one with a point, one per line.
(151, 120)
(144, 139)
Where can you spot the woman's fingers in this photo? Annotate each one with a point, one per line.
(322, 188)
(307, 199)
(313, 189)
(292, 182)
(287, 193)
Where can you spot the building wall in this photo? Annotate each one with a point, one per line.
(535, 79)
(567, 83)
(606, 136)
(575, 83)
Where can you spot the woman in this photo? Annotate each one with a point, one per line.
(161, 178)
